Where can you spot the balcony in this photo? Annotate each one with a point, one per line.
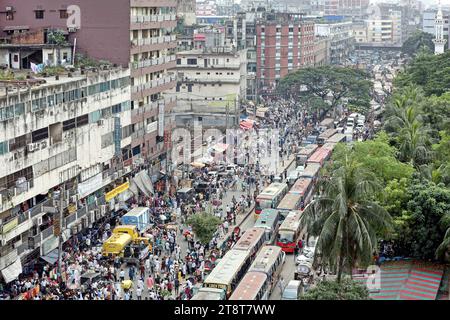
(8, 195)
(153, 84)
(153, 18)
(8, 258)
(152, 62)
(153, 40)
(47, 233)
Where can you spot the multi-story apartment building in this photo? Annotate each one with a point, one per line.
(285, 43)
(321, 51)
(341, 39)
(57, 130)
(211, 85)
(186, 11)
(241, 31)
(360, 31)
(133, 34)
(344, 7)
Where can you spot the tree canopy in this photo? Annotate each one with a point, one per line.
(417, 41)
(204, 226)
(346, 289)
(328, 82)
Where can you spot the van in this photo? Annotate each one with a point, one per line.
(292, 291)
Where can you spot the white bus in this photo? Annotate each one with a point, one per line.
(270, 262)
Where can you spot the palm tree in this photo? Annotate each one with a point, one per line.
(345, 219)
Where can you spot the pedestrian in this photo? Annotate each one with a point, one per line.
(122, 275)
(281, 285)
(139, 293)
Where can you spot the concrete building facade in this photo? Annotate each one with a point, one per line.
(285, 43)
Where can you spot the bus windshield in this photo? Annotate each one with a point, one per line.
(286, 236)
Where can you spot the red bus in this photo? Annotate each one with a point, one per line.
(320, 156)
(289, 232)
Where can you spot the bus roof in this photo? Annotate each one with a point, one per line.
(300, 186)
(327, 133)
(289, 202)
(135, 212)
(208, 294)
(319, 155)
(308, 149)
(266, 218)
(249, 286)
(338, 137)
(227, 267)
(311, 170)
(265, 259)
(329, 145)
(292, 221)
(249, 239)
(272, 190)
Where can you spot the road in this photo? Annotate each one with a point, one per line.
(246, 221)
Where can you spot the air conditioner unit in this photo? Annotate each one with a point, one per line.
(72, 29)
(39, 221)
(103, 209)
(100, 122)
(97, 214)
(9, 8)
(74, 198)
(91, 216)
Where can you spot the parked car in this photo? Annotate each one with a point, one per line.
(292, 290)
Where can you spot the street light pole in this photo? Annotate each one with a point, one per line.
(60, 241)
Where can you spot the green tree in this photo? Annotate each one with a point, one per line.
(328, 82)
(417, 41)
(444, 247)
(346, 289)
(376, 156)
(345, 218)
(425, 221)
(431, 72)
(204, 226)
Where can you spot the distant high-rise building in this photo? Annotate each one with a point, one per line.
(439, 40)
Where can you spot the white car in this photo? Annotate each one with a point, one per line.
(360, 127)
(305, 257)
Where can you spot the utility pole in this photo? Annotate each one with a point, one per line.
(227, 111)
(62, 193)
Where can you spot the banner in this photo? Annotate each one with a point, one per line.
(90, 185)
(116, 191)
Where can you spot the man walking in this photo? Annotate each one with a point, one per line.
(281, 285)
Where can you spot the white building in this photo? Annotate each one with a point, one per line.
(57, 131)
(440, 39)
(211, 84)
(341, 39)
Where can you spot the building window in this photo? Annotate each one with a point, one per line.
(178, 61)
(39, 135)
(9, 15)
(39, 14)
(63, 14)
(191, 61)
(189, 87)
(178, 88)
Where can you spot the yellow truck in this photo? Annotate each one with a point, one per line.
(132, 231)
(116, 244)
(122, 239)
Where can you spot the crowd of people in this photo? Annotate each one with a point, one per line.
(168, 272)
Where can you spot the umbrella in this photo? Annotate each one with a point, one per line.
(163, 217)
